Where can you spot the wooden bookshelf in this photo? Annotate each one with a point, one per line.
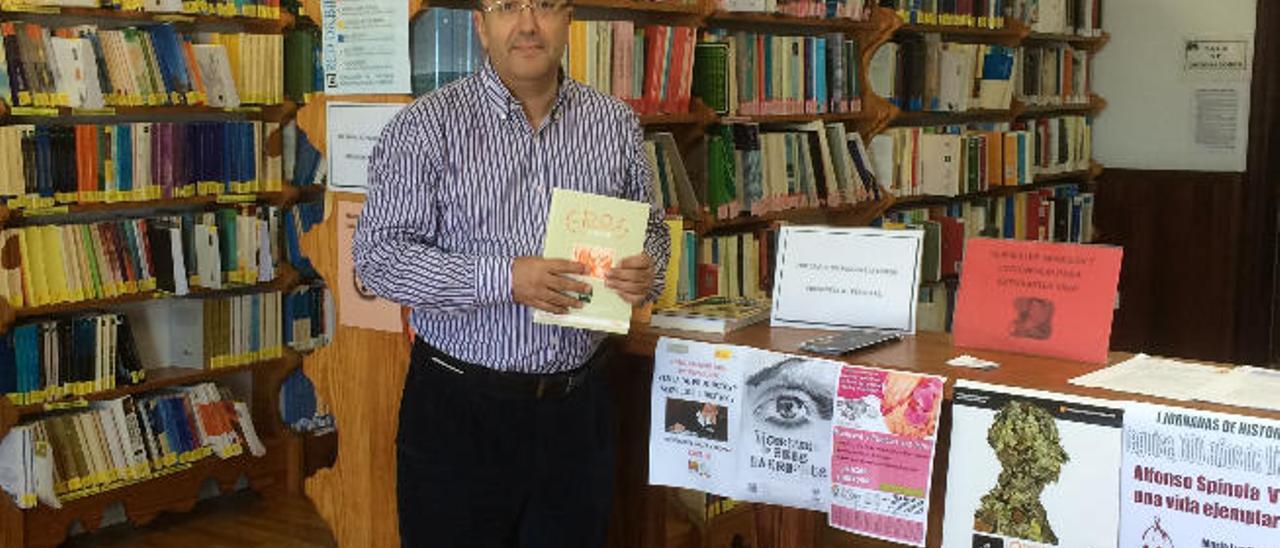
(1087, 43)
(280, 198)
(859, 214)
(286, 278)
(860, 116)
(176, 491)
(906, 118)
(157, 378)
(1095, 105)
(121, 17)
(1041, 181)
(680, 119)
(1011, 35)
(11, 114)
(790, 23)
(641, 6)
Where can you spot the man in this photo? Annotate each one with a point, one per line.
(506, 428)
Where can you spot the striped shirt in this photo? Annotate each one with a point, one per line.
(460, 184)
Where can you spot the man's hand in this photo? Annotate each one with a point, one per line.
(541, 283)
(632, 278)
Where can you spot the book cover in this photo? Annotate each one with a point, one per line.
(1038, 298)
(599, 232)
(1040, 469)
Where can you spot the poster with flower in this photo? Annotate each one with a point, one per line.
(883, 440)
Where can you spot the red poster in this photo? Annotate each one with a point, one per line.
(1037, 298)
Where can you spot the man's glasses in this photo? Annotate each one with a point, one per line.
(540, 8)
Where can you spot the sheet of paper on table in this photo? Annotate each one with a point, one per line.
(1159, 377)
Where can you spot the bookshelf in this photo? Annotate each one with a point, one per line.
(171, 489)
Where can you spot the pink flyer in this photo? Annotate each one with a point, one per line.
(883, 440)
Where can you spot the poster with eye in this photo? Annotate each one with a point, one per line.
(883, 441)
(784, 455)
(696, 394)
(1032, 469)
(1195, 479)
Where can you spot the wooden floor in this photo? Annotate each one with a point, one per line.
(241, 520)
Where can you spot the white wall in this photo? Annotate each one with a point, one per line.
(1150, 120)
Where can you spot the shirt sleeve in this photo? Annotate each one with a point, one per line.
(657, 242)
(395, 249)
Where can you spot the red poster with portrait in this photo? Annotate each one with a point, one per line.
(1041, 298)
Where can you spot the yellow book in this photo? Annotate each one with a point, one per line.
(597, 232)
(232, 44)
(55, 266)
(669, 290)
(30, 245)
(578, 50)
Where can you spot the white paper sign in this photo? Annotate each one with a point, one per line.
(366, 46)
(847, 278)
(1195, 478)
(352, 130)
(1224, 58)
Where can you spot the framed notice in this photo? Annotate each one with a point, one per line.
(847, 278)
(353, 130)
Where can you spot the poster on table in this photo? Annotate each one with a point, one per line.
(742, 422)
(365, 46)
(1032, 469)
(884, 436)
(1199, 479)
(759, 426)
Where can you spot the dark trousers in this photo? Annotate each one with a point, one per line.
(482, 467)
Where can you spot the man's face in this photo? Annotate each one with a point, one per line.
(524, 43)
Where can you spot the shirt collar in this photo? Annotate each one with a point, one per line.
(504, 102)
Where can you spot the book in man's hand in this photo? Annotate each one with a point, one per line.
(713, 314)
(599, 232)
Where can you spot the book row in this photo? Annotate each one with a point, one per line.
(928, 74)
(264, 9)
(731, 266)
(670, 182)
(119, 442)
(1052, 75)
(90, 68)
(47, 165)
(749, 74)
(953, 160)
(211, 333)
(66, 357)
(78, 262)
(649, 67)
(1079, 17)
(301, 408)
(856, 10)
(754, 169)
(444, 48)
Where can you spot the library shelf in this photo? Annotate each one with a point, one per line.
(1087, 43)
(171, 491)
(264, 24)
(1011, 35)
(157, 378)
(1041, 181)
(642, 6)
(859, 214)
(1095, 105)
(281, 198)
(913, 118)
(776, 20)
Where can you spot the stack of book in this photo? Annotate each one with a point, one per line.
(750, 74)
(55, 359)
(78, 262)
(757, 170)
(308, 317)
(265, 9)
(928, 74)
(1078, 17)
(123, 441)
(213, 333)
(1052, 75)
(846, 9)
(712, 315)
(954, 160)
(89, 68)
(648, 67)
(986, 14)
(47, 165)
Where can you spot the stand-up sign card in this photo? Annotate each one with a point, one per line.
(1037, 298)
(847, 278)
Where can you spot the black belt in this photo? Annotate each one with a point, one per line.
(530, 385)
